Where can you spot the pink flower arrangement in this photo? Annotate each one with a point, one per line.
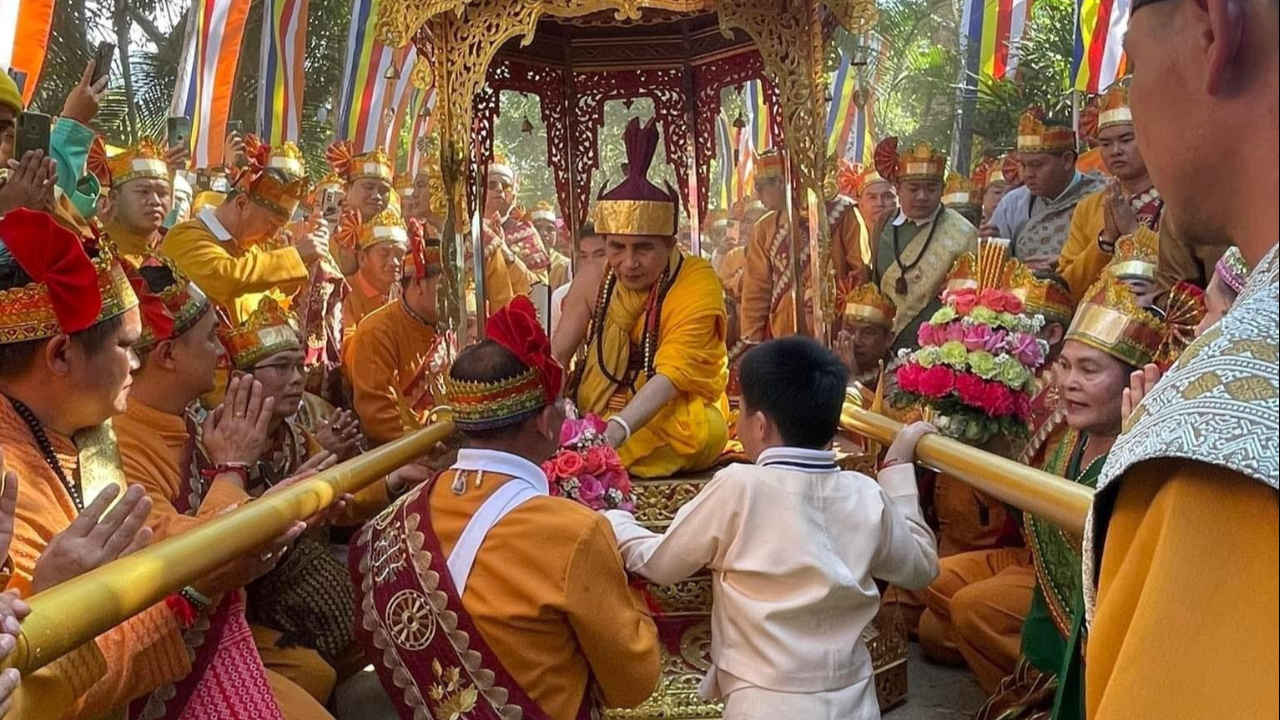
(976, 364)
(587, 470)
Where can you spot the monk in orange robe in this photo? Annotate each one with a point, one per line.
(379, 245)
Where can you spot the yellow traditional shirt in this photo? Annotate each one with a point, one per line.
(363, 299)
(1082, 260)
(129, 243)
(394, 371)
(233, 276)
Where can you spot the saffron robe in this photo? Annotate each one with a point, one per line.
(547, 593)
(142, 653)
(233, 275)
(397, 369)
(689, 433)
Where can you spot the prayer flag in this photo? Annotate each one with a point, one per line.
(1099, 60)
(24, 37)
(284, 45)
(207, 74)
(996, 29)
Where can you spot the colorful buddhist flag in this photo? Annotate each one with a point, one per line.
(365, 100)
(1099, 60)
(24, 37)
(421, 128)
(724, 153)
(207, 74)
(401, 92)
(991, 33)
(758, 117)
(284, 45)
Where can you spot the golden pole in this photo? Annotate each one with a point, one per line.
(1060, 501)
(66, 616)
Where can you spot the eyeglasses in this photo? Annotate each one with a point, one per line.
(503, 185)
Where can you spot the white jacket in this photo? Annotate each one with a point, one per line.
(793, 544)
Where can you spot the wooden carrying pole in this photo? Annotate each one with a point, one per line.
(1060, 501)
(66, 616)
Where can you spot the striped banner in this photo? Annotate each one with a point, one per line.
(724, 153)
(207, 74)
(364, 105)
(24, 37)
(402, 94)
(758, 117)
(995, 28)
(421, 129)
(1099, 60)
(284, 46)
(840, 114)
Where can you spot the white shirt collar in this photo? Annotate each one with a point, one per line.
(496, 461)
(902, 218)
(211, 221)
(800, 459)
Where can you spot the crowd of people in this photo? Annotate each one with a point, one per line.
(1100, 305)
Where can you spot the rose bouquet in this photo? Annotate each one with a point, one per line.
(975, 366)
(587, 469)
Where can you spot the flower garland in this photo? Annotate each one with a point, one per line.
(976, 365)
(587, 470)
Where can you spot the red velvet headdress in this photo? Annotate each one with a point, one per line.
(637, 206)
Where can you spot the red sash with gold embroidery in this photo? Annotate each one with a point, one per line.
(428, 384)
(431, 658)
(527, 243)
(780, 253)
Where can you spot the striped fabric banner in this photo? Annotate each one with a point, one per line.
(758, 118)
(421, 129)
(365, 99)
(1099, 60)
(284, 46)
(207, 74)
(724, 153)
(401, 95)
(995, 28)
(24, 37)
(841, 112)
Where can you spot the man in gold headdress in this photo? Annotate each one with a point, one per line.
(866, 333)
(141, 196)
(990, 184)
(397, 357)
(67, 324)
(546, 626)
(1134, 262)
(380, 244)
(220, 249)
(1129, 205)
(960, 194)
(559, 270)
(1037, 216)
(876, 196)
(769, 284)
(653, 325)
(509, 222)
(915, 250)
(367, 177)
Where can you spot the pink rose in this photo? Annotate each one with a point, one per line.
(964, 301)
(996, 341)
(595, 423)
(591, 492)
(929, 335)
(549, 469)
(952, 331)
(570, 432)
(1026, 348)
(597, 459)
(620, 480)
(569, 465)
(937, 381)
(976, 337)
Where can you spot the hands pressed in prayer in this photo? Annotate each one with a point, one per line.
(1123, 218)
(93, 539)
(1140, 383)
(236, 431)
(85, 98)
(341, 435)
(31, 183)
(903, 449)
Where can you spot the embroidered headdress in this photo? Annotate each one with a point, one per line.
(507, 401)
(386, 226)
(865, 303)
(1110, 319)
(1233, 269)
(989, 171)
(960, 192)
(143, 160)
(274, 179)
(1113, 108)
(68, 291)
(1038, 136)
(1136, 257)
(919, 162)
(180, 303)
(769, 166)
(350, 167)
(637, 206)
(423, 258)
(543, 212)
(266, 331)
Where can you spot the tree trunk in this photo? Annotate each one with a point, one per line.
(122, 27)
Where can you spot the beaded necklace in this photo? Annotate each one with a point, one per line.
(652, 321)
(46, 448)
(900, 287)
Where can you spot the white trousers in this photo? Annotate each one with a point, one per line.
(855, 702)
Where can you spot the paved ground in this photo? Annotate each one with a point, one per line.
(936, 693)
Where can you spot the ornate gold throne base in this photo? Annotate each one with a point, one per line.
(685, 626)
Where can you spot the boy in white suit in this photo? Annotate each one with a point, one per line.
(793, 544)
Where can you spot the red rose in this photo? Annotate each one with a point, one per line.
(1013, 304)
(964, 301)
(597, 459)
(569, 465)
(937, 381)
(549, 469)
(970, 388)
